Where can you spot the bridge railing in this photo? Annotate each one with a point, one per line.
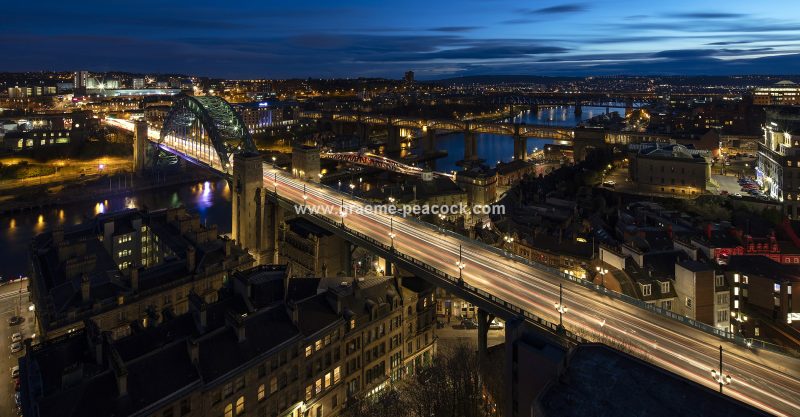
(711, 330)
(537, 320)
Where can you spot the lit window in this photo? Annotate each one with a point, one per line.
(327, 380)
(240, 405)
(308, 351)
(318, 345)
(229, 410)
(319, 385)
(261, 392)
(336, 374)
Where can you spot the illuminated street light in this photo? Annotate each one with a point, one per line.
(460, 264)
(721, 378)
(305, 196)
(352, 188)
(392, 235)
(602, 272)
(560, 307)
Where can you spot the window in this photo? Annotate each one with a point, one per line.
(239, 383)
(664, 287)
(776, 287)
(688, 302)
(308, 351)
(261, 392)
(273, 385)
(240, 405)
(352, 324)
(318, 386)
(719, 280)
(722, 315)
(186, 406)
(337, 374)
(722, 298)
(308, 393)
(227, 390)
(318, 345)
(319, 411)
(167, 412)
(646, 290)
(327, 380)
(229, 410)
(334, 401)
(666, 304)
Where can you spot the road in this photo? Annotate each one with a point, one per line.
(13, 297)
(763, 379)
(766, 380)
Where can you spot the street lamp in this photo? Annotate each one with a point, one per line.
(460, 264)
(352, 188)
(273, 161)
(275, 182)
(602, 271)
(560, 307)
(305, 196)
(342, 212)
(722, 378)
(392, 235)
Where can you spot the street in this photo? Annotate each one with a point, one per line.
(12, 299)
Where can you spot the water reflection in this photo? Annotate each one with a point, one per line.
(211, 200)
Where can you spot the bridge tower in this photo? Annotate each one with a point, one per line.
(578, 108)
(520, 144)
(250, 215)
(140, 142)
(470, 145)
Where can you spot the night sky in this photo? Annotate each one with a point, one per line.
(435, 38)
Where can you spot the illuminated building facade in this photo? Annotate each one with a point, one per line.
(778, 166)
(783, 93)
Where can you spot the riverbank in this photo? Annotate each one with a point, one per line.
(37, 197)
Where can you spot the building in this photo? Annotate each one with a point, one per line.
(311, 250)
(782, 93)
(81, 82)
(267, 346)
(127, 270)
(778, 165)
(763, 301)
(264, 116)
(46, 130)
(408, 77)
(671, 169)
(137, 83)
(305, 162)
(480, 183)
(703, 293)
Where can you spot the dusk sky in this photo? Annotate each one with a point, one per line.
(435, 38)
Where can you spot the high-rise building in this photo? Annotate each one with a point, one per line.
(138, 83)
(409, 77)
(81, 82)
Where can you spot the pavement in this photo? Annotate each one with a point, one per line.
(11, 299)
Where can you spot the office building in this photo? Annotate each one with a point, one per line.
(670, 169)
(782, 93)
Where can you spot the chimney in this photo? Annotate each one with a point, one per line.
(135, 278)
(236, 321)
(191, 253)
(85, 287)
(194, 350)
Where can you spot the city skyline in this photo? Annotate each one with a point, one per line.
(441, 40)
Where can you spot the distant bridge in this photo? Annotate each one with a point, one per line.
(378, 161)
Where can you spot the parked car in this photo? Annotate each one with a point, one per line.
(496, 325)
(16, 347)
(469, 324)
(15, 372)
(737, 195)
(16, 337)
(14, 320)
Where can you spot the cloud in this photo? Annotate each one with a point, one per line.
(708, 15)
(559, 9)
(450, 29)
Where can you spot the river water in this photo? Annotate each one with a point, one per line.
(494, 148)
(210, 199)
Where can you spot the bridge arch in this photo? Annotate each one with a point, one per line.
(206, 129)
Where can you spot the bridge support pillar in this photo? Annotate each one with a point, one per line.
(484, 319)
(514, 331)
(520, 147)
(140, 142)
(578, 108)
(429, 141)
(273, 219)
(348, 259)
(393, 140)
(248, 214)
(470, 146)
(362, 131)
